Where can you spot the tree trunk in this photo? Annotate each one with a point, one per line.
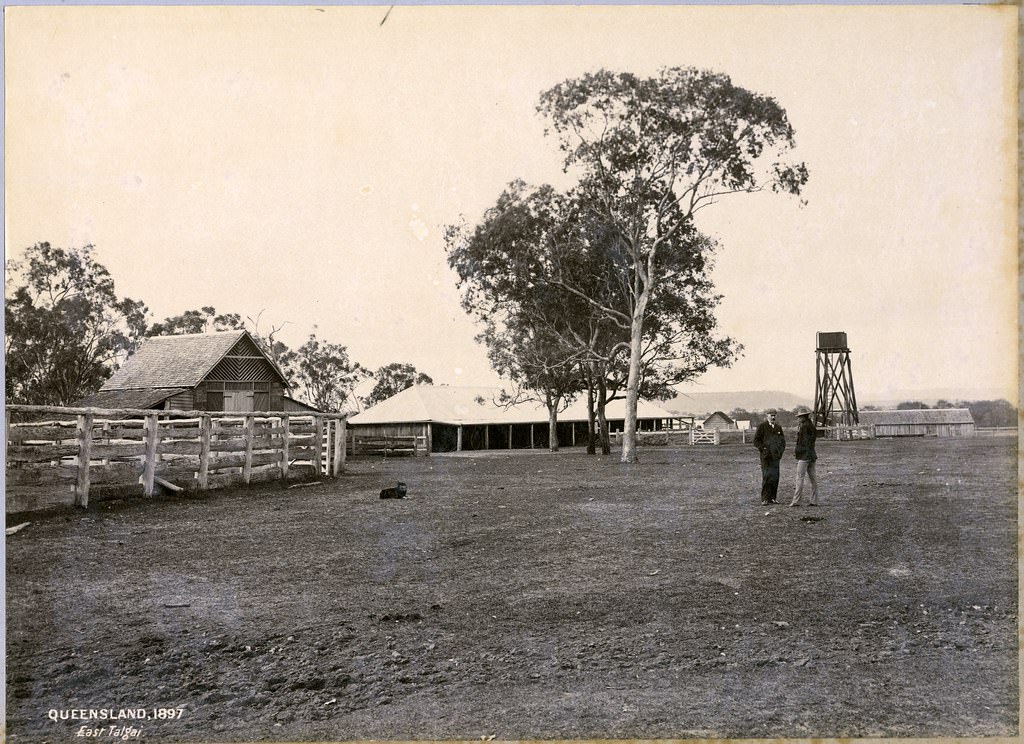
(553, 424)
(602, 418)
(629, 453)
(591, 415)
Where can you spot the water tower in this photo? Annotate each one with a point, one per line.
(835, 403)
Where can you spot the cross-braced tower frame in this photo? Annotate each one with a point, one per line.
(835, 403)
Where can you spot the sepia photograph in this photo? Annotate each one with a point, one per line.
(511, 372)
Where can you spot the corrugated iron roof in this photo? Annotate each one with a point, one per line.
(918, 416)
(174, 361)
(480, 405)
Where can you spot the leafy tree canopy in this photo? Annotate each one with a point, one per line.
(327, 375)
(203, 320)
(989, 413)
(66, 328)
(392, 379)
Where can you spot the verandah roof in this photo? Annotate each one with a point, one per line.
(480, 405)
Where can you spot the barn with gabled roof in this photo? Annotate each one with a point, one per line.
(222, 371)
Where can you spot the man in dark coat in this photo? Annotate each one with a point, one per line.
(805, 457)
(771, 443)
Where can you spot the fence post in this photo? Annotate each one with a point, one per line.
(205, 431)
(718, 437)
(339, 446)
(84, 456)
(152, 440)
(285, 441)
(248, 426)
(318, 445)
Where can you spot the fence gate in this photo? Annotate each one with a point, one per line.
(704, 436)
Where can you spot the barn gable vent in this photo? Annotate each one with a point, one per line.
(243, 369)
(245, 347)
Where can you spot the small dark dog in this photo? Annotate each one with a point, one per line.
(398, 492)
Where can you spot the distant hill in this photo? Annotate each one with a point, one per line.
(702, 403)
(931, 397)
(751, 400)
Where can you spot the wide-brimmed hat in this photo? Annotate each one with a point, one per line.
(802, 411)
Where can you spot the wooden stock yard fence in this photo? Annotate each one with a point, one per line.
(57, 456)
(387, 445)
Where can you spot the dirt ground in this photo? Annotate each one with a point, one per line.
(526, 595)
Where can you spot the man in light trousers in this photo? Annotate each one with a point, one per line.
(805, 457)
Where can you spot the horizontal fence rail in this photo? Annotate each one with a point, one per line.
(56, 456)
(387, 445)
(996, 431)
(854, 431)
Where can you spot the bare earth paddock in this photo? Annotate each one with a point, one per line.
(529, 595)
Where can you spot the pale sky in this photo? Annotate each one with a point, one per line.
(302, 162)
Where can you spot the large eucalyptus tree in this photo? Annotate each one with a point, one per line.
(650, 154)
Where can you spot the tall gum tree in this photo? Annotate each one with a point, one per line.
(651, 153)
(66, 328)
(545, 280)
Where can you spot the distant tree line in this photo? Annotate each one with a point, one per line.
(986, 413)
(67, 330)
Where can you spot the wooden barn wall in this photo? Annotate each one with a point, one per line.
(924, 430)
(287, 404)
(274, 393)
(717, 422)
(184, 401)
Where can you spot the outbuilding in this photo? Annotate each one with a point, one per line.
(929, 422)
(222, 371)
(719, 421)
(443, 418)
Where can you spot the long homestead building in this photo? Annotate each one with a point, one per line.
(930, 422)
(223, 371)
(449, 419)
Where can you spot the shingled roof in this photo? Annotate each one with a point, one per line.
(174, 361)
(142, 398)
